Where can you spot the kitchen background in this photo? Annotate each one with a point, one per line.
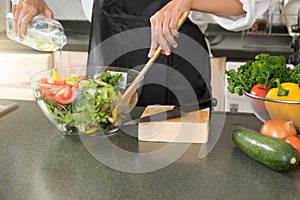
(67, 10)
(18, 62)
(231, 49)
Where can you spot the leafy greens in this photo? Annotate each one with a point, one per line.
(95, 102)
(265, 69)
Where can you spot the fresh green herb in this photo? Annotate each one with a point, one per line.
(111, 79)
(61, 113)
(295, 75)
(265, 69)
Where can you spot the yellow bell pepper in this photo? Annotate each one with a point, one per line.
(55, 76)
(284, 91)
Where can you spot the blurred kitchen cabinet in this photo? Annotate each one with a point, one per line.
(16, 70)
(218, 66)
(18, 67)
(70, 59)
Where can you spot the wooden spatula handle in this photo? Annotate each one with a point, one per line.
(128, 93)
(158, 51)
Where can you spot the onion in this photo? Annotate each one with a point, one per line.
(278, 128)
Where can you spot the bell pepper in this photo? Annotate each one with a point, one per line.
(286, 111)
(55, 76)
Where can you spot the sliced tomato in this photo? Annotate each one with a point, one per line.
(51, 81)
(56, 82)
(44, 80)
(58, 90)
(49, 91)
(66, 95)
(75, 85)
(83, 78)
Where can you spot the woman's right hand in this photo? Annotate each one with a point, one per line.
(164, 26)
(24, 10)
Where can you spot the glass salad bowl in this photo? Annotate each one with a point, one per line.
(265, 109)
(85, 100)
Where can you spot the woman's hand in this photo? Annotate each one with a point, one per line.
(24, 11)
(164, 24)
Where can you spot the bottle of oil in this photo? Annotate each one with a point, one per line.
(43, 34)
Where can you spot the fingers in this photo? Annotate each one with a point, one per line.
(167, 31)
(174, 24)
(25, 18)
(157, 37)
(16, 10)
(164, 30)
(48, 13)
(24, 11)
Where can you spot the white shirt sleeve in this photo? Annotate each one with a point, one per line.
(253, 9)
(87, 6)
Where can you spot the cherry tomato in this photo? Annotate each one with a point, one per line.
(294, 141)
(260, 90)
(65, 95)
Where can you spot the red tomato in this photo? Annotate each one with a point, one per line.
(56, 82)
(75, 86)
(50, 81)
(260, 90)
(44, 80)
(50, 91)
(294, 141)
(65, 95)
(58, 90)
(82, 78)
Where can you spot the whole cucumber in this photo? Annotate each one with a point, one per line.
(271, 152)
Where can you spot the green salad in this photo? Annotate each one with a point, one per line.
(81, 103)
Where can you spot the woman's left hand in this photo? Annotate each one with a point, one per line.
(164, 24)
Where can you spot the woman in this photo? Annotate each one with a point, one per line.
(176, 78)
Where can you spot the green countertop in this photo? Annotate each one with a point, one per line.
(37, 163)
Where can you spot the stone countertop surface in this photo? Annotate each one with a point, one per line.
(38, 163)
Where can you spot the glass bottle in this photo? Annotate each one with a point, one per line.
(43, 34)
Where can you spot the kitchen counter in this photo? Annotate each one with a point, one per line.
(37, 163)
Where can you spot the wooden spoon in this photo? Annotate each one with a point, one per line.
(126, 97)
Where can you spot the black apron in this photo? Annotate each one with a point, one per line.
(172, 80)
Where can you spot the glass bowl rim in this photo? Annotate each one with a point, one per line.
(271, 100)
(122, 69)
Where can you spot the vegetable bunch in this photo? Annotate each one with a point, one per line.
(265, 69)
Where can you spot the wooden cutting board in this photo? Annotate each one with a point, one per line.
(192, 127)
